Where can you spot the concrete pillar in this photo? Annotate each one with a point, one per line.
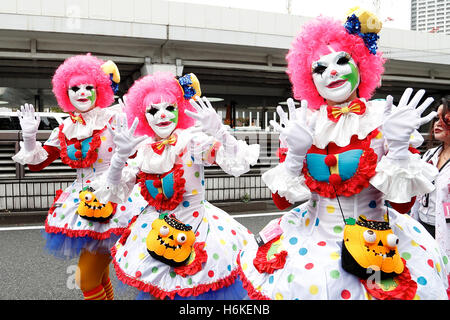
(149, 68)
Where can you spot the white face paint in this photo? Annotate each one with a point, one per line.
(83, 97)
(335, 76)
(162, 118)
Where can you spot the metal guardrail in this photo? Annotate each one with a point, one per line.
(38, 195)
(22, 190)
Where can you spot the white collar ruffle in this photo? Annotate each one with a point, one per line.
(151, 162)
(348, 125)
(95, 119)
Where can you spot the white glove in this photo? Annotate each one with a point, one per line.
(210, 121)
(29, 122)
(125, 143)
(400, 122)
(297, 134)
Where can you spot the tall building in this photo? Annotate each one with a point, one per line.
(430, 15)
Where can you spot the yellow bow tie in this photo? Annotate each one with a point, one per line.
(159, 146)
(75, 118)
(356, 106)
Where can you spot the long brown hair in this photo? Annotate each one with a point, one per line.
(444, 103)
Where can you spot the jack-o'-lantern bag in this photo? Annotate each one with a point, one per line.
(170, 241)
(370, 246)
(91, 209)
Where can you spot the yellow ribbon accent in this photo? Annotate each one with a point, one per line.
(172, 139)
(337, 112)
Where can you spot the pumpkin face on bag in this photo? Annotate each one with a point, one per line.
(91, 209)
(170, 241)
(370, 246)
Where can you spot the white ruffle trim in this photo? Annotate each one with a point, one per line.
(118, 193)
(38, 155)
(237, 162)
(349, 124)
(96, 119)
(292, 187)
(402, 180)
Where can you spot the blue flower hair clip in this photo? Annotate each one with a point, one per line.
(190, 86)
(366, 26)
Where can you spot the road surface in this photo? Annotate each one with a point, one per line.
(28, 272)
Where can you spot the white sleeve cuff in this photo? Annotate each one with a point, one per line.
(38, 155)
(281, 180)
(236, 160)
(118, 192)
(400, 180)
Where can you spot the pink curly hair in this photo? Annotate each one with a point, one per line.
(82, 69)
(312, 42)
(156, 88)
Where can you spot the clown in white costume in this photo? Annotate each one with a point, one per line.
(180, 246)
(348, 156)
(77, 224)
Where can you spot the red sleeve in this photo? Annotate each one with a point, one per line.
(281, 154)
(53, 154)
(403, 207)
(133, 155)
(413, 150)
(281, 202)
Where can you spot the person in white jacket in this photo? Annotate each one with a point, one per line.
(433, 209)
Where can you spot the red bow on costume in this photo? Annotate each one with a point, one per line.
(356, 106)
(159, 146)
(76, 119)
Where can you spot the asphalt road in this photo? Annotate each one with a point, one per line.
(27, 272)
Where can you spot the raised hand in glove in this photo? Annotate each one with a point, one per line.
(126, 143)
(297, 134)
(29, 122)
(210, 121)
(401, 121)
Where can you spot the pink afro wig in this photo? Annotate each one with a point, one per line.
(156, 88)
(82, 69)
(312, 42)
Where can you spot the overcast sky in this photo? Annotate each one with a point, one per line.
(397, 10)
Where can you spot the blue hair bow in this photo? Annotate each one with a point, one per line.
(190, 85)
(114, 85)
(353, 26)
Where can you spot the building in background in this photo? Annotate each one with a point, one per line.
(430, 16)
(237, 54)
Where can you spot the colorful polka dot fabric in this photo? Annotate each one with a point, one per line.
(306, 262)
(223, 238)
(66, 231)
(313, 265)
(212, 263)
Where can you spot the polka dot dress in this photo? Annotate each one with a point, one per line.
(312, 236)
(68, 232)
(222, 235)
(313, 266)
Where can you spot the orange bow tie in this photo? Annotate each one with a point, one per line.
(76, 119)
(356, 106)
(159, 146)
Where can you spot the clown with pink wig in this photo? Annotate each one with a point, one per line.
(353, 160)
(180, 246)
(77, 224)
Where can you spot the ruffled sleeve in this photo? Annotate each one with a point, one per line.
(39, 154)
(118, 192)
(238, 159)
(400, 180)
(292, 187)
(234, 156)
